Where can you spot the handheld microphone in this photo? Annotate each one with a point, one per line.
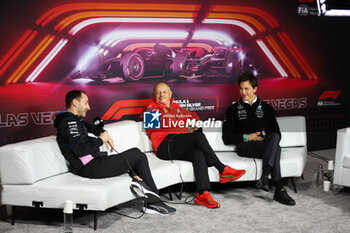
(262, 133)
(98, 123)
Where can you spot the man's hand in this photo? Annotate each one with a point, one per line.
(192, 129)
(106, 138)
(255, 137)
(137, 178)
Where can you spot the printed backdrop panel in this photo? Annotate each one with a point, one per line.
(117, 51)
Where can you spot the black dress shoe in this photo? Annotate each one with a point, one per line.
(263, 184)
(283, 197)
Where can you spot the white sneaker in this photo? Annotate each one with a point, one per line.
(141, 189)
(158, 208)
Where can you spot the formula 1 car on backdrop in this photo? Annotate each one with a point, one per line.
(161, 60)
(221, 61)
(130, 65)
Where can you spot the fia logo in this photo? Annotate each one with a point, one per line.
(151, 120)
(303, 10)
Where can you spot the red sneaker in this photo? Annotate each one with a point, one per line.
(206, 200)
(230, 174)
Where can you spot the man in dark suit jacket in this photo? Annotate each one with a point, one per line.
(251, 125)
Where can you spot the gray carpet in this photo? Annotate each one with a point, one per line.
(243, 209)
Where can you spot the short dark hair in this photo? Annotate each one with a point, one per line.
(248, 76)
(71, 95)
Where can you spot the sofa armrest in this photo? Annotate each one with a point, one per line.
(342, 154)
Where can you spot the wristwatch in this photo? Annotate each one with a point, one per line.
(245, 137)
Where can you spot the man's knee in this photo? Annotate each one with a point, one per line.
(199, 134)
(274, 136)
(197, 156)
(136, 152)
(200, 137)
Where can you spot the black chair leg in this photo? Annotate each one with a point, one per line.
(95, 220)
(302, 176)
(293, 184)
(179, 196)
(170, 195)
(13, 215)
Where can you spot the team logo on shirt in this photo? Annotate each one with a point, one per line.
(259, 112)
(151, 120)
(242, 114)
(73, 128)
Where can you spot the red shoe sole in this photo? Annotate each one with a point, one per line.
(205, 204)
(230, 178)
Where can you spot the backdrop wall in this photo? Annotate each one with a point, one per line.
(117, 50)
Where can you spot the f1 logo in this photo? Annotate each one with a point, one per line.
(329, 94)
(151, 120)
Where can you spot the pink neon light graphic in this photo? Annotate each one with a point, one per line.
(18, 51)
(88, 22)
(84, 60)
(46, 60)
(115, 37)
(216, 36)
(272, 58)
(15, 47)
(232, 22)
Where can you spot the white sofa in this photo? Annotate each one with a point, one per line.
(34, 173)
(342, 158)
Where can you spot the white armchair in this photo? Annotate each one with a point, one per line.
(342, 158)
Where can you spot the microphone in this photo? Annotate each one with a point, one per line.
(262, 133)
(98, 123)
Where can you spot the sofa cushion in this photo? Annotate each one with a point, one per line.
(214, 137)
(125, 135)
(293, 129)
(30, 161)
(146, 142)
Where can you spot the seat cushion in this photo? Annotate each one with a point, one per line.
(227, 158)
(293, 130)
(293, 161)
(164, 173)
(98, 194)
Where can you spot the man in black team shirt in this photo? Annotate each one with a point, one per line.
(85, 158)
(251, 125)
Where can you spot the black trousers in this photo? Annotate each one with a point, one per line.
(268, 150)
(192, 147)
(115, 165)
